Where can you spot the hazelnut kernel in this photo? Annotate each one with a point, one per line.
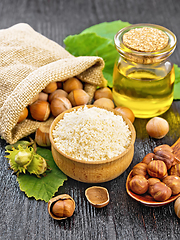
(160, 191)
(140, 169)
(139, 184)
(61, 207)
(157, 169)
(173, 182)
(148, 158)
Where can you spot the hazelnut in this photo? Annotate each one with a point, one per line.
(103, 93)
(157, 127)
(43, 96)
(138, 184)
(104, 102)
(175, 170)
(23, 115)
(152, 181)
(59, 84)
(165, 156)
(177, 207)
(163, 147)
(78, 97)
(59, 105)
(72, 84)
(148, 158)
(127, 112)
(160, 192)
(57, 93)
(61, 207)
(157, 169)
(42, 136)
(51, 87)
(140, 169)
(40, 110)
(174, 183)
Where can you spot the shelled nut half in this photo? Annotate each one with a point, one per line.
(61, 207)
(97, 196)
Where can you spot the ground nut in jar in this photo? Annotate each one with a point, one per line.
(143, 77)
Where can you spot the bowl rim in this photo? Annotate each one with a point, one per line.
(95, 162)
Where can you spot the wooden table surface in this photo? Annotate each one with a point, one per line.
(124, 218)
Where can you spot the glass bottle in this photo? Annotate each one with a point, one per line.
(144, 80)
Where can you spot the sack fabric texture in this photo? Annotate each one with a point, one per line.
(28, 63)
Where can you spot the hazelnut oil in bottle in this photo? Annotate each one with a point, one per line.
(143, 77)
(147, 92)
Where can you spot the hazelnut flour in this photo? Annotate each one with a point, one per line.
(92, 134)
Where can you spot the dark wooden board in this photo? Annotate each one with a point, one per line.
(23, 218)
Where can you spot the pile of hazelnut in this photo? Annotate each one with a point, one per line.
(58, 97)
(158, 174)
(55, 98)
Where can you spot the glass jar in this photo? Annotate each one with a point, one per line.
(143, 80)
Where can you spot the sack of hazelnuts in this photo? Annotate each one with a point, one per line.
(32, 67)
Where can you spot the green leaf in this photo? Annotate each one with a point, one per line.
(177, 82)
(45, 187)
(23, 144)
(98, 40)
(107, 29)
(90, 44)
(177, 73)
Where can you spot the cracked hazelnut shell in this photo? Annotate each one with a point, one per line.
(97, 196)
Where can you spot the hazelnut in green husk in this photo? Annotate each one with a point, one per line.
(24, 160)
(19, 158)
(38, 165)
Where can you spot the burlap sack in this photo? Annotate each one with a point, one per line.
(28, 62)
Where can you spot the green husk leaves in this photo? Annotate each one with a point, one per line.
(23, 158)
(37, 174)
(45, 187)
(19, 158)
(98, 40)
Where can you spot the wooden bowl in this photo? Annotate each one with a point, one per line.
(146, 199)
(93, 171)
